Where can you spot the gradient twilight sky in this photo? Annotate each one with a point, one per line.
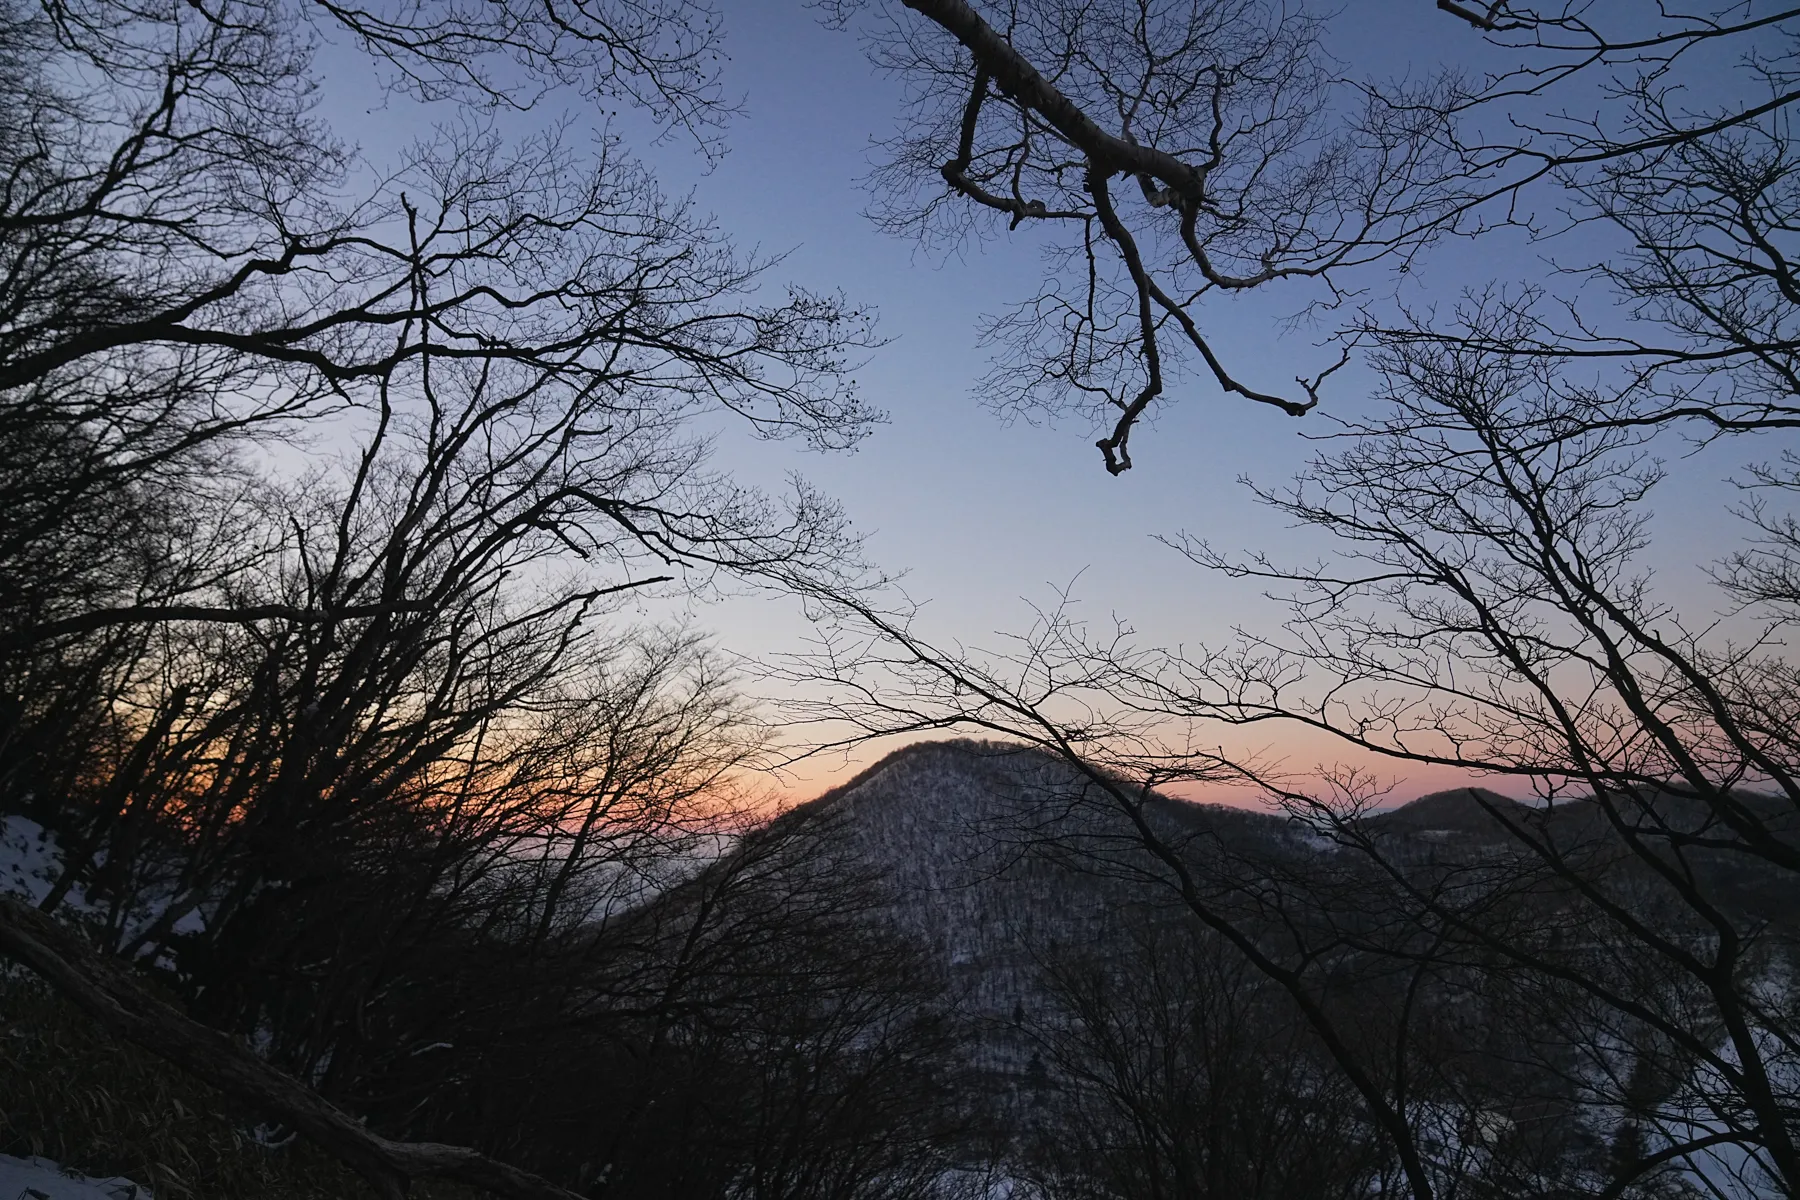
(983, 516)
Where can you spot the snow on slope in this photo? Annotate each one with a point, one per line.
(959, 830)
(975, 839)
(979, 842)
(30, 862)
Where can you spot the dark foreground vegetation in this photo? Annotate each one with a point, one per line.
(755, 1022)
(913, 987)
(337, 498)
(80, 1096)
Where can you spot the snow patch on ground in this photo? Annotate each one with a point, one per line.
(30, 863)
(41, 1179)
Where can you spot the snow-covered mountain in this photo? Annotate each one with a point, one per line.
(996, 856)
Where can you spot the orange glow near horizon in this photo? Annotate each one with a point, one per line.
(1302, 762)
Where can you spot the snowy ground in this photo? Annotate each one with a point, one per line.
(41, 1179)
(30, 862)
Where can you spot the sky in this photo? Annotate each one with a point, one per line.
(985, 517)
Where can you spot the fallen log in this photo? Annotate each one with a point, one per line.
(109, 992)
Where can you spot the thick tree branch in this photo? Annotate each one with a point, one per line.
(153, 614)
(995, 56)
(106, 990)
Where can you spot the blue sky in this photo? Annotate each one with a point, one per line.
(985, 516)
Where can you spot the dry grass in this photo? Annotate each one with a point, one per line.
(72, 1092)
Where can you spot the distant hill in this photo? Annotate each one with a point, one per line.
(994, 855)
(996, 860)
(1460, 809)
(1471, 815)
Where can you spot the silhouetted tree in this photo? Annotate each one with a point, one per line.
(311, 737)
(1170, 153)
(1487, 612)
(1489, 607)
(1176, 1071)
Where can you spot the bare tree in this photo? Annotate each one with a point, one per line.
(191, 257)
(1173, 1073)
(1667, 142)
(757, 1024)
(313, 738)
(1170, 152)
(1488, 612)
(1490, 609)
